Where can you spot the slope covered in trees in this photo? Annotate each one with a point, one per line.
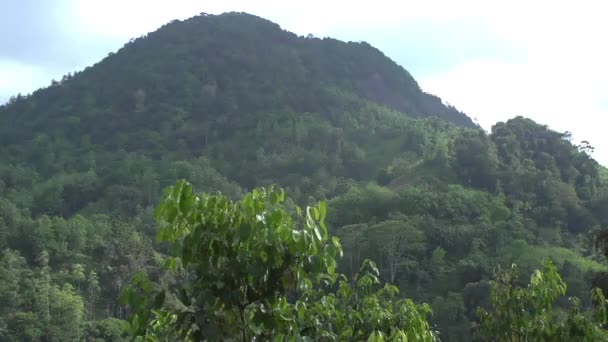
(232, 102)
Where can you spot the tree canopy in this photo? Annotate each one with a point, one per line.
(233, 103)
(249, 269)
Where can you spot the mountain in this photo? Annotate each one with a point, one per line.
(231, 102)
(232, 65)
(208, 86)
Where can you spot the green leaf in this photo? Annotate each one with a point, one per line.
(170, 263)
(318, 233)
(315, 213)
(322, 211)
(301, 311)
(170, 213)
(274, 198)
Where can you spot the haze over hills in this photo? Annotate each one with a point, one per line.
(232, 102)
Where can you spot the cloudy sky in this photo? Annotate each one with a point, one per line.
(542, 59)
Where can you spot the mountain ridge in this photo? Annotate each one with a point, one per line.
(232, 102)
(245, 27)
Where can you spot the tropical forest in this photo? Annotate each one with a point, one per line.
(223, 179)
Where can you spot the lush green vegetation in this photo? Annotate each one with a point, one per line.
(248, 269)
(231, 103)
(527, 313)
(251, 270)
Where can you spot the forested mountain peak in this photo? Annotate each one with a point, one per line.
(218, 67)
(213, 86)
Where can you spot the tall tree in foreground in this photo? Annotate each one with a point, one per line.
(249, 269)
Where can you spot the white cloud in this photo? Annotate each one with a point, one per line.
(558, 76)
(20, 78)
(546, 91)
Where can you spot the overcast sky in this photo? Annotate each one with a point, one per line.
(546, 60)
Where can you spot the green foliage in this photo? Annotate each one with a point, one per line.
(475, 161)
(521, 253)
(67, 317)
(450, 317)
(244, 263)
(524, 313)
(361, 203)
(356, 311)
(33, 306)
(232, 102)
(109, 329)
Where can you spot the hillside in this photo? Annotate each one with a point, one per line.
(232, 102)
